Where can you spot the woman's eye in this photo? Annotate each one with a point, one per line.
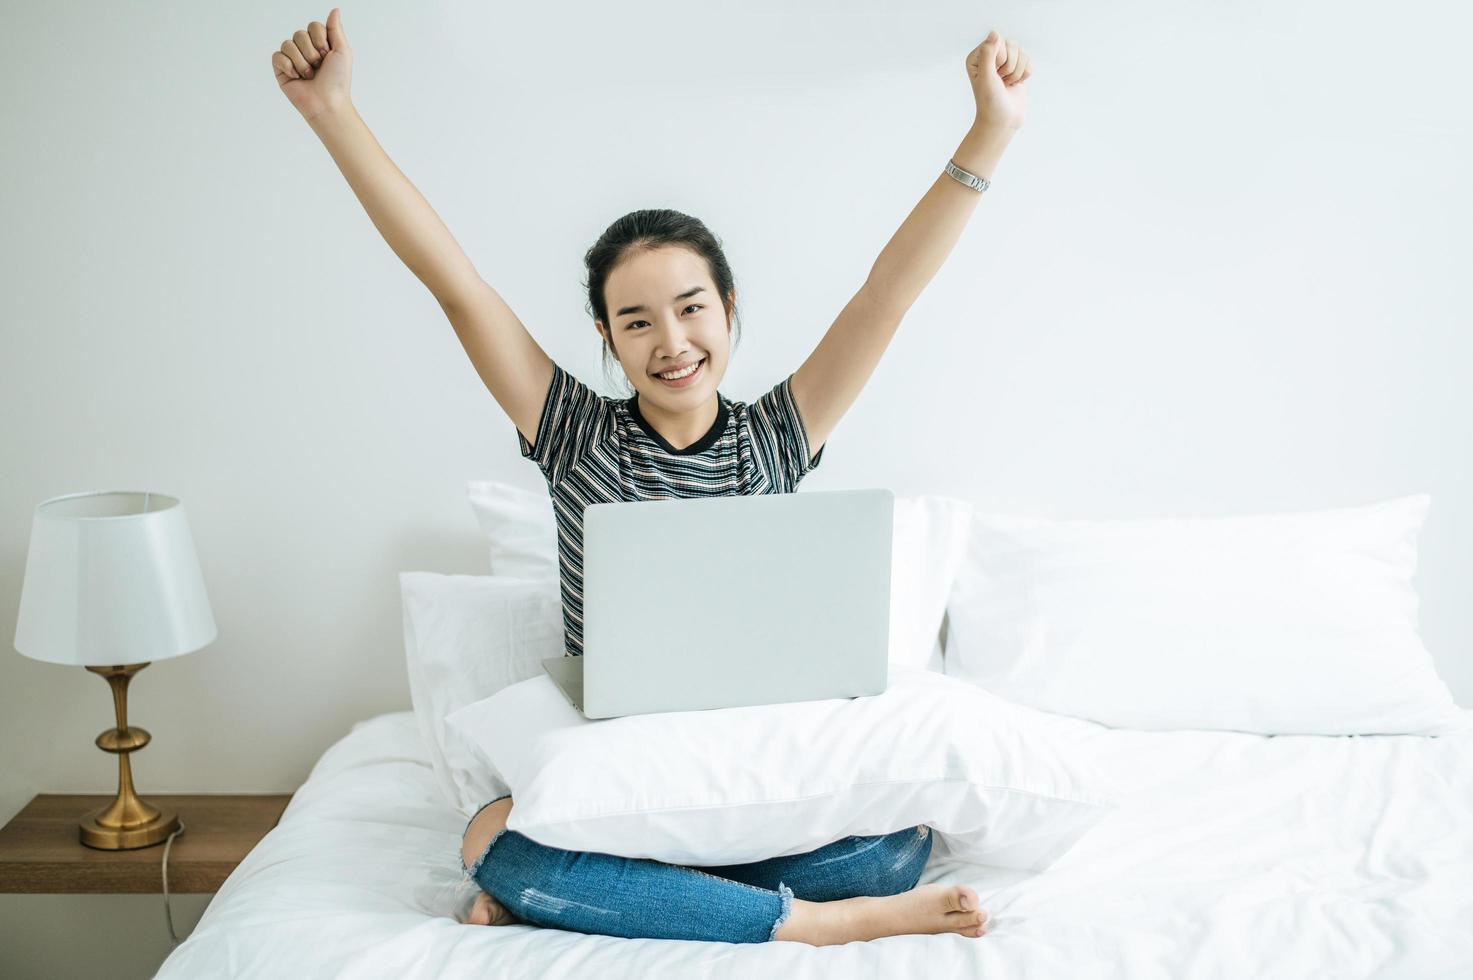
(635, 323)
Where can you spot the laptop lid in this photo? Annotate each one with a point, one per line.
(714, 602)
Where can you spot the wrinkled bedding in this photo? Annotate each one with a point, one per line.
(1231, 855)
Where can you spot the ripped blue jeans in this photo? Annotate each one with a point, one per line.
(639, 898)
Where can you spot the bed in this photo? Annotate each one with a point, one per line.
(1232, 855)
(1169, 660)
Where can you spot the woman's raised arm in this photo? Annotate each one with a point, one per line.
(314, 70)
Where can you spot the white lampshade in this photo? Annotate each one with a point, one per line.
(112, 578)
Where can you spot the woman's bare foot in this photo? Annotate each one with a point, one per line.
(489, 912)
(925, 909)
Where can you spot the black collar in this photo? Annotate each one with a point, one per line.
(700, 445)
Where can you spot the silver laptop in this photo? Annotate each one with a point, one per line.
(719, 602)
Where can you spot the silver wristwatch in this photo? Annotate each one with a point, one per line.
(976, 183)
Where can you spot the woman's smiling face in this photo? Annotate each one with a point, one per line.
(664, 314)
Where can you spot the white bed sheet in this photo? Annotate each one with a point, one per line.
(1232, 855)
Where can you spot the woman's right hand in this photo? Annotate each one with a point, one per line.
(315, 67)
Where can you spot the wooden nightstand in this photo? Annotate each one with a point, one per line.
(40, 850)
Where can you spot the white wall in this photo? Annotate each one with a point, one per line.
(1217, 273)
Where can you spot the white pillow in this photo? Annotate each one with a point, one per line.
(465, 638)
(732, 785)
(929, 543)
(1277, 624)
(927, 548)
(519, 526)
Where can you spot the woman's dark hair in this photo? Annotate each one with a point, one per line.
(653, 228)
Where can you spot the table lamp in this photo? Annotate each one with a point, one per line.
(112, 583)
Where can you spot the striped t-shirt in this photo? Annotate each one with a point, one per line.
(593, 449)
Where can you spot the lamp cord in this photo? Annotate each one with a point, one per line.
(168, 912)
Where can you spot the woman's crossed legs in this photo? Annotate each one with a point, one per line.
(854, 888)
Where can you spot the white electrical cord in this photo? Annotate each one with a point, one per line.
(168, 913)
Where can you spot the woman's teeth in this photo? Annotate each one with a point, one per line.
(676, 376)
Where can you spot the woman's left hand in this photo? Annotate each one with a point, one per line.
(998, 67)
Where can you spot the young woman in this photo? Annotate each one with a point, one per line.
(663, 301)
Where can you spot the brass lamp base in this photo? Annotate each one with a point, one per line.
(127, 822)
(108, 838)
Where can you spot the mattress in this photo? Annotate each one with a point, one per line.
(1231, 855)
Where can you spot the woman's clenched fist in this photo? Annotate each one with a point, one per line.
(315, 67)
